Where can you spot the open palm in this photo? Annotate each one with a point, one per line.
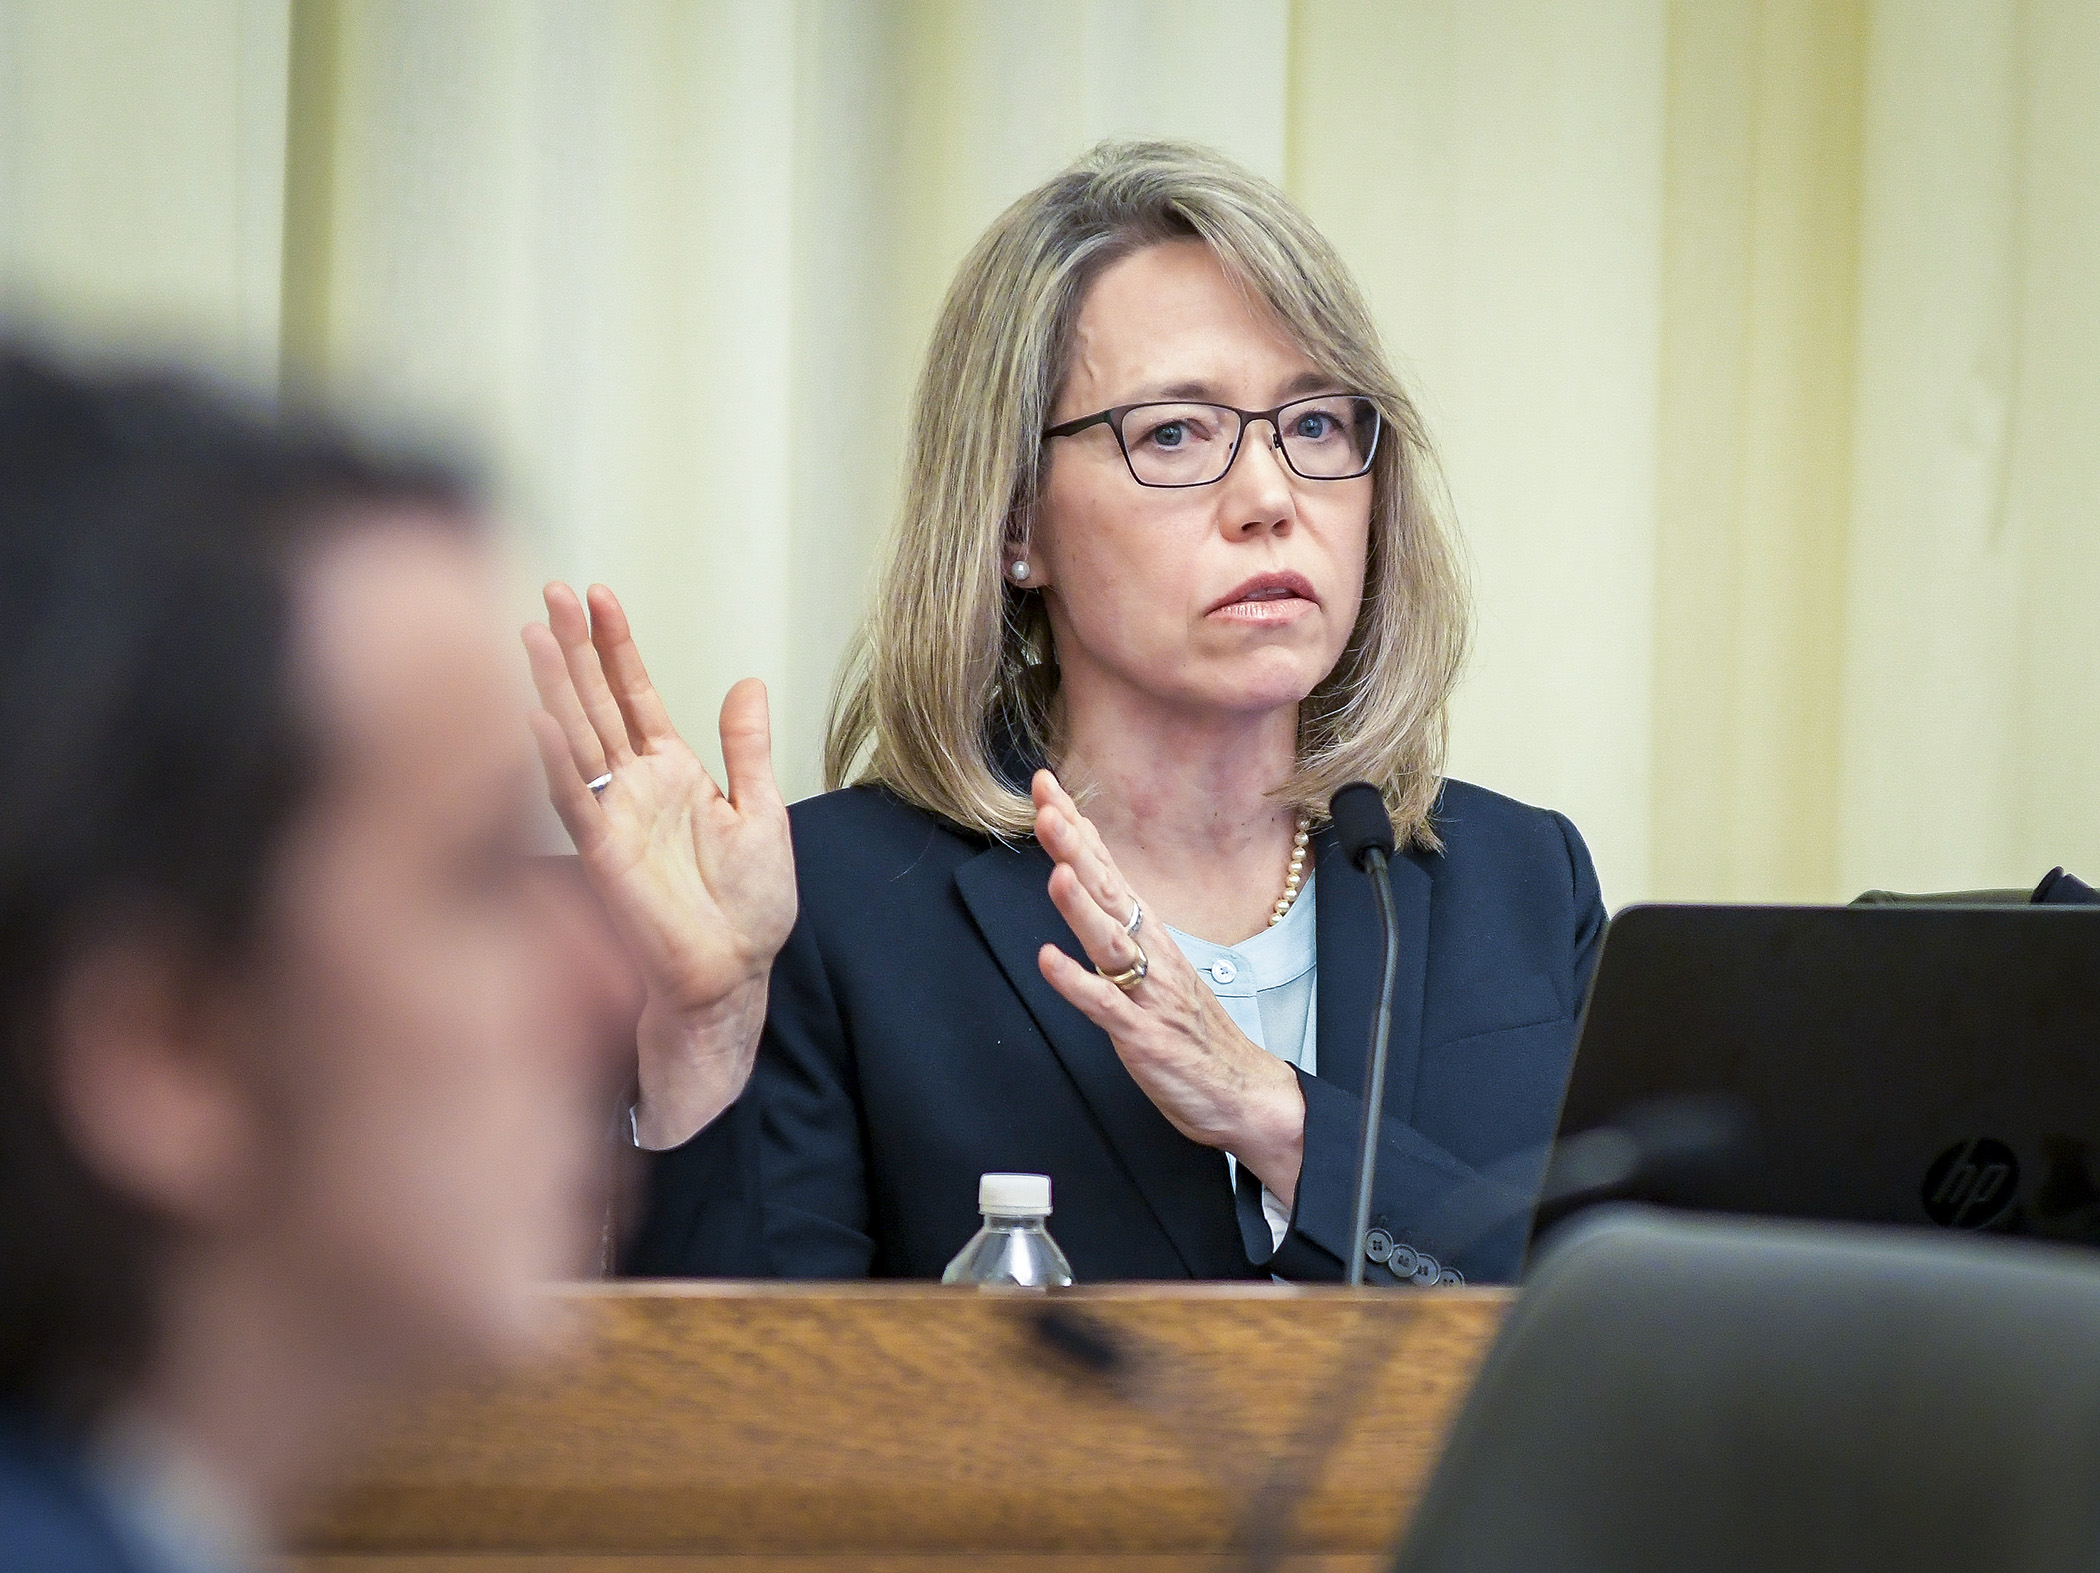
(699, 882)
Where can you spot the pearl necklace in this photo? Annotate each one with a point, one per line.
(1294, 876)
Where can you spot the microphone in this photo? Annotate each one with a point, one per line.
(1366, 832)
(1360, 819)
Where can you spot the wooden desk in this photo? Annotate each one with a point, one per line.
(908, 1428)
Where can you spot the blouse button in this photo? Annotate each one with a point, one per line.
(1224, 971)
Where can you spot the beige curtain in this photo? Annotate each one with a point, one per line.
(1758, 337)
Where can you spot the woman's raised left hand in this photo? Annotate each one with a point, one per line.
(1213, 1083)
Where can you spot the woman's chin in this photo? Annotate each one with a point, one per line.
(1275, 674)
(1253, 689)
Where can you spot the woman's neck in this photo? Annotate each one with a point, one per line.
(1183, 803)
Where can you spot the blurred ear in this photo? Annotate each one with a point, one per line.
(145, 1082)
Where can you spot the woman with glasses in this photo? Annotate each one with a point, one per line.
(1168, 572)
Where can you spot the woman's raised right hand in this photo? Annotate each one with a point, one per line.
(700, 883)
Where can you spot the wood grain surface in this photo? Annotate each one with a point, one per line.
(903, 1428)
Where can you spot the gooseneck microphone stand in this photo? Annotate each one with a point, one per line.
(1366, 832)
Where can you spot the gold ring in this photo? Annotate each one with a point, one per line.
(1126, 981)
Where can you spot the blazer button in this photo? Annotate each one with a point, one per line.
(1378, 1246)
(1405, 1260)
(1428, 1270)
(1451, 1278)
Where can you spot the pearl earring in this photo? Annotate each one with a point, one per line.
(1019, 571)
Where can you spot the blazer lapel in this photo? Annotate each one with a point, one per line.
(1007, 892)
(1349, 961)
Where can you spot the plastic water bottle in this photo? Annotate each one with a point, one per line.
(1013, 1248)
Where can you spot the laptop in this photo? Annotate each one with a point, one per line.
(1929, 1066)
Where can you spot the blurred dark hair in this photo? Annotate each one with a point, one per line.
(150, 529)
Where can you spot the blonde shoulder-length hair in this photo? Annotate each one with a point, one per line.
(954, 672)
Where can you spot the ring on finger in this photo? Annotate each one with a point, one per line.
(599, 785)
(1137, 917)
(1128, 980)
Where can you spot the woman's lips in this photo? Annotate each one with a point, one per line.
(1283, 609)
(1269, 599)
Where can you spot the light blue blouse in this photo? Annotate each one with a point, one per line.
(1269, 986)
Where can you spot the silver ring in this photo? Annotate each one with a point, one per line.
(600, 784)
(1137, 917)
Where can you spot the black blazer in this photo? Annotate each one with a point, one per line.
(911, 1045)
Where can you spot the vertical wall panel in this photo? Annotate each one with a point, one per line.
(1760, 269)
(1933, 615)
(142, 174)
(565, 231)
(1972, 690)
(1494, 174)
(2054, 487)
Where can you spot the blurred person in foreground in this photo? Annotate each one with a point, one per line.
(303, 1064)
(1171, 567)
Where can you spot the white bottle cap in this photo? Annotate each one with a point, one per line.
(1014, 1195)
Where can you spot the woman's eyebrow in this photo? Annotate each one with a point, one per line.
(1200, 391)
(1309, 382)
(1207, 393)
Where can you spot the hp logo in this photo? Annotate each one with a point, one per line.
(1972, 1184)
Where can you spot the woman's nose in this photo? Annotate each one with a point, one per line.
(1258, 493)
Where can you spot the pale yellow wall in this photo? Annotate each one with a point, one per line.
(1972, 673)
(1493, 171)
(703, 245)
(1760, 259)
(142, 172)
(1759, 335)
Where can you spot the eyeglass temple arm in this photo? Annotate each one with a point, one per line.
(1072, 428)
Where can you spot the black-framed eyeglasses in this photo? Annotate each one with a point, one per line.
(1328, 437)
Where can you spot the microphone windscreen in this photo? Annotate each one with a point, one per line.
(2060, 889)
(1361, 821)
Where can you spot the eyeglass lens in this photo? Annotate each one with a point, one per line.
(1330, 437)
